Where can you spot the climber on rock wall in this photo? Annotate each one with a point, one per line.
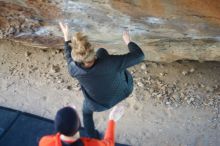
(104, 78)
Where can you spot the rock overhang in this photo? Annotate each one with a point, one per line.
(166, 30)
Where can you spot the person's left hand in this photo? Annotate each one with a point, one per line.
(126, 37)
(65, 30)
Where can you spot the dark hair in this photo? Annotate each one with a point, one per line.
(67, 121)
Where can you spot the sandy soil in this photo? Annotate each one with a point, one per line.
(176, 104)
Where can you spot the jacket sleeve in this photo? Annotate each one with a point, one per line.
(67, 53)
(109, 139)
(50, 140)
(135, 56)
(110, 133)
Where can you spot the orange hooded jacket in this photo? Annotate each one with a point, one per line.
(109, 140)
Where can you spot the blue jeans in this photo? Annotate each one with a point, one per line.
(88, 121)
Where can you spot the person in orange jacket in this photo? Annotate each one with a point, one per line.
(67, 125)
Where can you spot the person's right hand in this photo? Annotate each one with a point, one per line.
(126, 37)
(65, 30)
(116, 113)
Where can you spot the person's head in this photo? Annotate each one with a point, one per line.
(82, 51)
(67, 121)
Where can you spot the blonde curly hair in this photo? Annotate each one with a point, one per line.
(82, 49)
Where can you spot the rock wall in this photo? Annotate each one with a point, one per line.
(167, 30)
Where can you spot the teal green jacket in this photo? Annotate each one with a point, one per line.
(107, 82)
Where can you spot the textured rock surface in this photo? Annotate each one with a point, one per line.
(167, 30)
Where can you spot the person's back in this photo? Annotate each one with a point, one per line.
(107, 82)
(104, 85)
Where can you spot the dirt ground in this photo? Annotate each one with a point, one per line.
(175, 104)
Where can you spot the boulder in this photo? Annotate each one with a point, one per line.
(167, 30)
